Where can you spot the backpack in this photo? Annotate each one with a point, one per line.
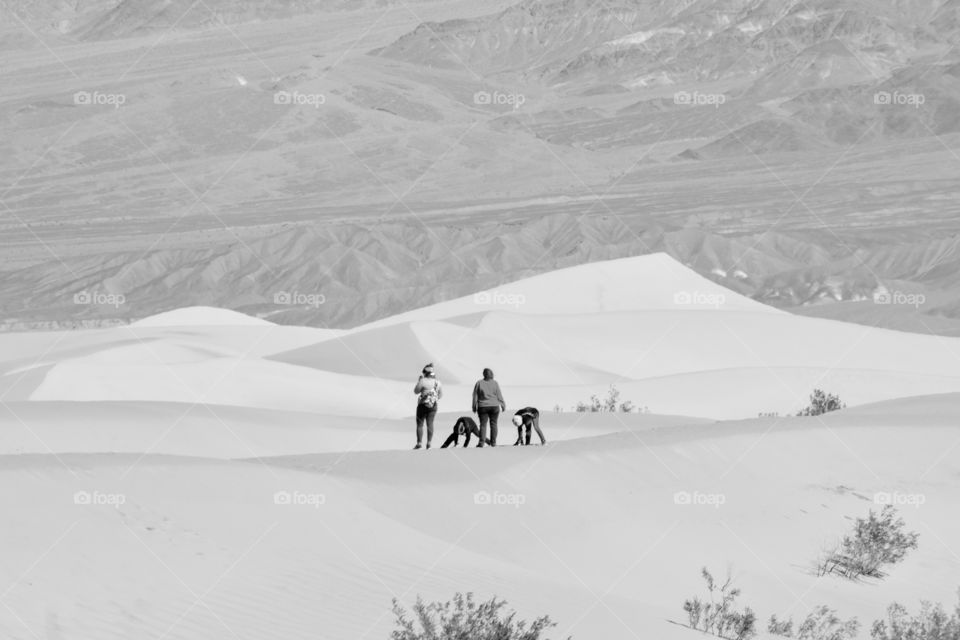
(429, 397)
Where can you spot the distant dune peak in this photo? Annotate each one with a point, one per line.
(201, 316)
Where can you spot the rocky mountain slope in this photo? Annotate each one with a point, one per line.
(386, 157)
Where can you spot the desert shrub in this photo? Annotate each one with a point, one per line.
(613, 399)
(876, 541)
(931, 623)
(821, 624)
(611, 403)
(780, 627)
(594, 406)
(464, 619)
(718, 615)
(821, 403)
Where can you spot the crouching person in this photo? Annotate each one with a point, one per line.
(527, 418)
(465, 426)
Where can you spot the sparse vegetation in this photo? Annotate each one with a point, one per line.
(611, 403)
(779, 627)
(932, 623)
(718, 615)
(877, 541)
(464, 619)
(822, 402)
(821, 624)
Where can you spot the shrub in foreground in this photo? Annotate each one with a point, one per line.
(821, 624)
(931, 623)
(718, 615)
(464, 619)
(877, 541)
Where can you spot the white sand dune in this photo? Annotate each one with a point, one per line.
(200, 549)
(646, 282)
(617, 322)
(200, 316)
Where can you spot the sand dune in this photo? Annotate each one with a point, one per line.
(598, 541)
(652, 327)
(670, 340)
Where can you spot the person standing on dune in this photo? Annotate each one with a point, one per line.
(429, 391)
(487, 404)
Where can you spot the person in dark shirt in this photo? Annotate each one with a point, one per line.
(465, 426)
(529, 418)
(487, 404)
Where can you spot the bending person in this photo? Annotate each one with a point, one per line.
(528, 417)
(465, 426)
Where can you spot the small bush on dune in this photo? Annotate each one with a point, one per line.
(821, 403)
(877, 541)
(780, 627)
(718, 616)
(821, 624)
(610, 404)
(932, 623)
(464, 619)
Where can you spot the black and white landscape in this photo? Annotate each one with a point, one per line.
(715, 242)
